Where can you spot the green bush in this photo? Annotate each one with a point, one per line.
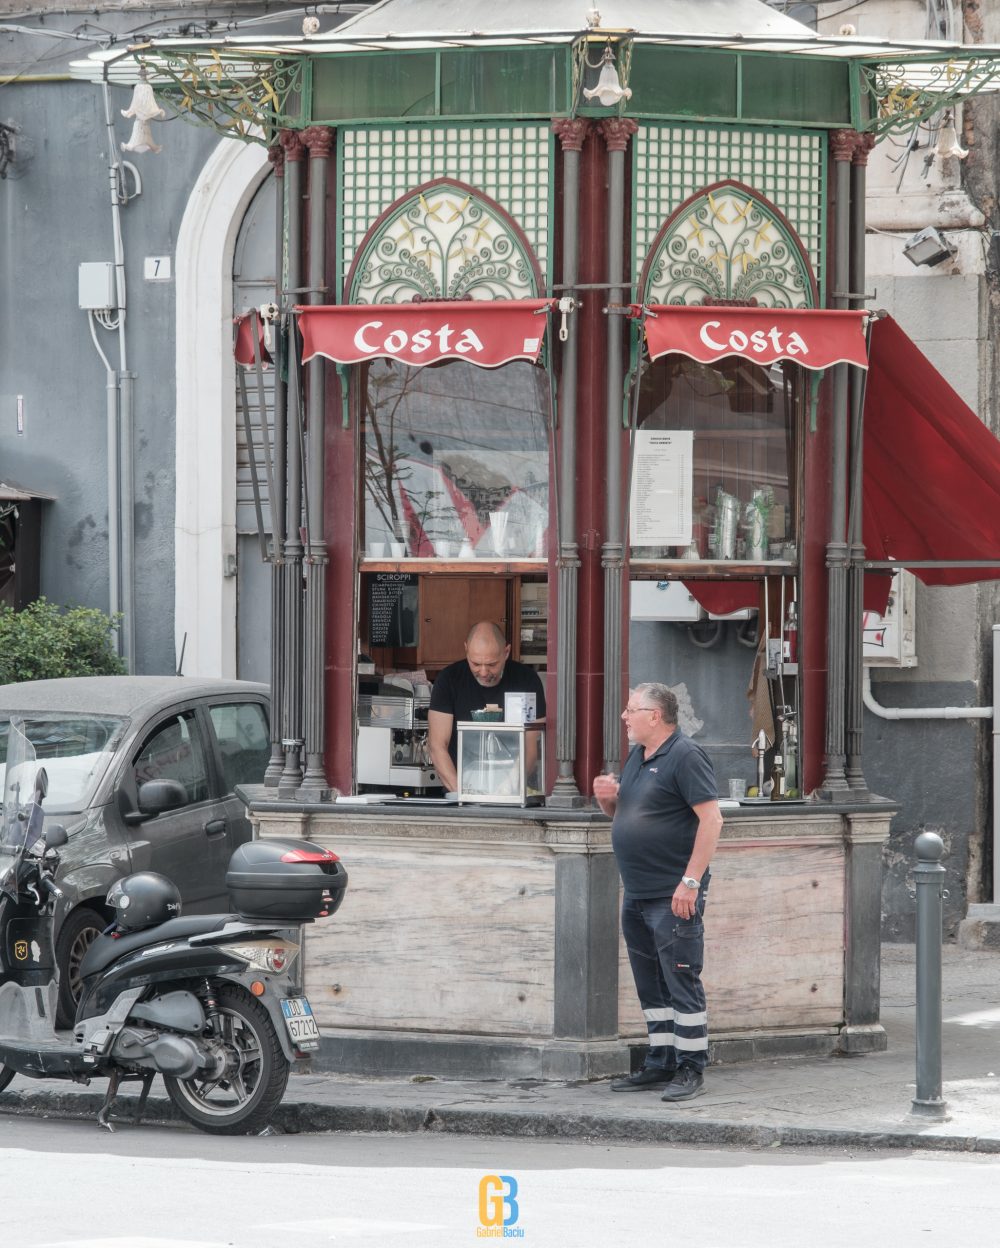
(45, 641)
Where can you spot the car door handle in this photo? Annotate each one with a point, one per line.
(215, 826)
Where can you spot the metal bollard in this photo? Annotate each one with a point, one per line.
(929, 874)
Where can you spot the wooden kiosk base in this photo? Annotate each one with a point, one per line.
(483, 942)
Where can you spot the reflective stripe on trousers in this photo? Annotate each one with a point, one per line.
(666, 954)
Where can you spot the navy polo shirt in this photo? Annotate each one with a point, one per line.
(654, 826)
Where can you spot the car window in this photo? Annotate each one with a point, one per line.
(244, 738)
(175, 751)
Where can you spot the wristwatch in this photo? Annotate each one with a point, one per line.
(690, 882)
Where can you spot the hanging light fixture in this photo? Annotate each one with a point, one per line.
(609, 90)
(143, 110)
(947, 142)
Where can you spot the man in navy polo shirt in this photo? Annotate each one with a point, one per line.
(666, 826)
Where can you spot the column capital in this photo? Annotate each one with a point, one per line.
(291, 142)
(319, 141)
(617, 131)
(276, 155)
(571, 132)
(863, 149)
(843, 143)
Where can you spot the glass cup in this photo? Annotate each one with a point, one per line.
(398, 550)
(376, 550)
(737, 789)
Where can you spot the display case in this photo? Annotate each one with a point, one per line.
(501, 764)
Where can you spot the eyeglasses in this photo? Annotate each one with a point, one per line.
(634, 710)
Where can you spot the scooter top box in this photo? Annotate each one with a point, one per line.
(279, 879)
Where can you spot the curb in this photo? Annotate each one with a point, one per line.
(298, 1117)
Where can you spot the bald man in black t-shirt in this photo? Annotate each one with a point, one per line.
(485, 674)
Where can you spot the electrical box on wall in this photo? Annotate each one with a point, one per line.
(664, 600)
(96, 285)
(890, 640)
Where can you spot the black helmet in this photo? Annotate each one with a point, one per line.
(143, 900)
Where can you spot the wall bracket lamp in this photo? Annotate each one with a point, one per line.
(928, 247)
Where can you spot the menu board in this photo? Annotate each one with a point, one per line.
(393, 609)
(660, 505)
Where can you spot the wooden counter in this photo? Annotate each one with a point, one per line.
(483, 942)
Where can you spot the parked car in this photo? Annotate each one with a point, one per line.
(142, 772)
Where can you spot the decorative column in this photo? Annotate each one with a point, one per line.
(314, 787)
(856, 554)
(834, 779)
(291, 689)
(276, 763)
(571, 133)
(616, 132)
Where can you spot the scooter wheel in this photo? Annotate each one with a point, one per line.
(6, 1075)
(243, 1099)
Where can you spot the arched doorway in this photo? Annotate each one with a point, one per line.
(205, 597)
(253, 285)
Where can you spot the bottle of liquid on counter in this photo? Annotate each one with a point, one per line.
(778, 786)
(790, 636)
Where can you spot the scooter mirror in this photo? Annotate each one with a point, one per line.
(55, 836)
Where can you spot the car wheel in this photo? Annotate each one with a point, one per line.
(78, 933)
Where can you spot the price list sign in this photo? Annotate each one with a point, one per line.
(661, 488)
(393, 604)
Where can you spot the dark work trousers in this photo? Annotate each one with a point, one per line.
(666, 954)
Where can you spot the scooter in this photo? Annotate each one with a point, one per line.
(213, 1003)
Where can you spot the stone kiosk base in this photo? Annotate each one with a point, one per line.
(483, 942)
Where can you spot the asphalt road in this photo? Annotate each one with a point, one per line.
(71, 1185)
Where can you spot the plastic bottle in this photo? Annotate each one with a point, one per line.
(790, 637)
(777, 779)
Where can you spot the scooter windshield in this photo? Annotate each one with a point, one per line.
(18, 826)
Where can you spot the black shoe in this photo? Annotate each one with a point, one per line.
(648, 1077)
(686, 1084)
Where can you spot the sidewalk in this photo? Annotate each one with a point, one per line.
(856, 1102)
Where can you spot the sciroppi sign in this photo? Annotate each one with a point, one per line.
(815, 338)
(481, 332)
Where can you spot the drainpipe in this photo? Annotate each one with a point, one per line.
(114, 487)
(616, 131)
(121, 487)
(571, 133)
(959, 712)
(276, 762)
(291, 709)
(314, 787)
(834, 777)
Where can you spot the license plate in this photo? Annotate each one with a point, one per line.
(302, 1029)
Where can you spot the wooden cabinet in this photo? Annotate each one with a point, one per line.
(450, 605)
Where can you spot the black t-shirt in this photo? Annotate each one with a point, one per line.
(457, 692)
(654, 826)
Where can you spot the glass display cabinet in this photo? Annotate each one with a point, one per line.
(501, 764)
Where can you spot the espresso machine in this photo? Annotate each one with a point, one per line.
(393, 754)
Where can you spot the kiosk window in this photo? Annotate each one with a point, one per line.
(456, 460)
(742, 420)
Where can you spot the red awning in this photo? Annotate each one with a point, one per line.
(243, 348)
(931, 467)
(813, 337)
(483, 332)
